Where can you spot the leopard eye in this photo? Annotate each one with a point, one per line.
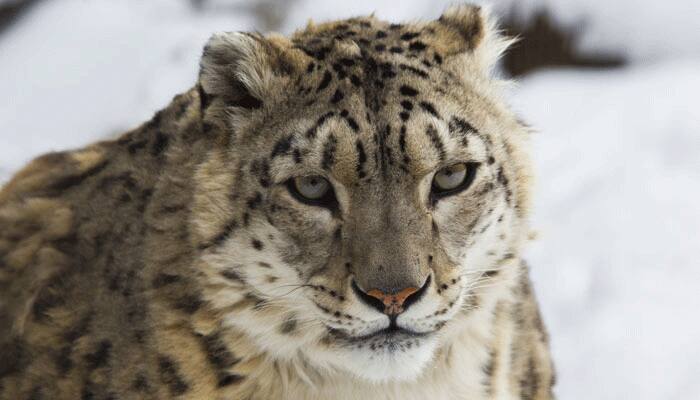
(312, 189)
(453, 179)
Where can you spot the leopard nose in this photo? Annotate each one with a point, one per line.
(392, 303)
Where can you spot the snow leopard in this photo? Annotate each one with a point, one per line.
(335, 214)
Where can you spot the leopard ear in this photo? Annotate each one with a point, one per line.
(470, 31)
(236, 69)
(243, 72)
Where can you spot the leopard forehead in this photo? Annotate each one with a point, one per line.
(374, 97)
(360, 99)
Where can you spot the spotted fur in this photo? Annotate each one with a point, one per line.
(173, 262)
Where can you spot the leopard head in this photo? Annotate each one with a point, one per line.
(368, 189)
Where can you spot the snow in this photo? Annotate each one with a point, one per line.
(618, 162)
(617, 156)
(77, 71)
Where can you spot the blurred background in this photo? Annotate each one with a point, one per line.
(611, 87)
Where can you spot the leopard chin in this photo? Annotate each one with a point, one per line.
(385, 357)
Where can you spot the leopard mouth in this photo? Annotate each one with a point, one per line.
(391, 334)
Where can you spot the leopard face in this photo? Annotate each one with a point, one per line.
(368, 192)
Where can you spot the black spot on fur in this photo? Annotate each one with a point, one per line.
(407, 105)
(396, 49)
(408, 91)
(68, 182)
(348, 62)
(204, 99)
(160, 143)
(417, 46)
(64, 363)
(140, 383)
(164, 279)
(530, 382)
(170, 375)
(230, 379)
(15, 358)
(99, 357)
(409, 35)
(289, 325)
(352, 124)
(416, 71)
(220, 358)
(337, 96)
(189, 303)
(134, 147)
(282, 146)
(324, 82)
(247, 101)
(232, 275)
(254, 201)
(49, 297)
(258, 245)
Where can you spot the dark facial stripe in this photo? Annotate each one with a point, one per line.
(402, 139)
(361, 159)
(329, 153)
(261, 168)
(429, 108)
(221, 237)
(311, 133)
(436, 141)
(462, 128)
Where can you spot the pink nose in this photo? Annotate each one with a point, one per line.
(393, 303)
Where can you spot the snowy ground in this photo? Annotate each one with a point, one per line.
(617, 154)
